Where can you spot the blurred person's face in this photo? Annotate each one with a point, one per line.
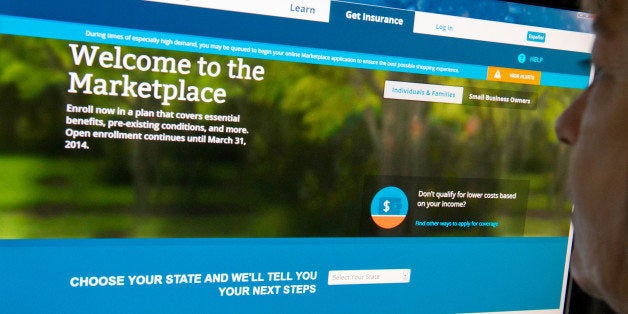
(596, 125)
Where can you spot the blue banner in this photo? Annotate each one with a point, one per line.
(279, 275)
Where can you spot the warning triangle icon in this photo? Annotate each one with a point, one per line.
(497, 75)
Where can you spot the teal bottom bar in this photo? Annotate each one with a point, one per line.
(447, 275)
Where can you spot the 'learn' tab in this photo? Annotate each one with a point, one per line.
(311, 10)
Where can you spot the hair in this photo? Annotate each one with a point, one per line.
(604, 6)
(611, 17)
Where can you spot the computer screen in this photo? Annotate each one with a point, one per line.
(313, 156)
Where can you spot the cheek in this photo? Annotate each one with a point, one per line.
(599, 167)
(587, 193)
(599, 185)
(600, 159)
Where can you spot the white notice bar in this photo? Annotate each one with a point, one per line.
(368, 276)
(423, 92)
(311, 10)
(500, 32)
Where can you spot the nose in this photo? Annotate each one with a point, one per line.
(568, 124)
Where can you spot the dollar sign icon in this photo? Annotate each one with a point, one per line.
(389, 207)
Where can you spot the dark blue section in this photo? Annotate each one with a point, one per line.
(499, 11)
(448, 275)
(348, 35)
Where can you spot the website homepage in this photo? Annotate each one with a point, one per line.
(285, 156)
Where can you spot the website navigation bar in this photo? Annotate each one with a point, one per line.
(378, 31)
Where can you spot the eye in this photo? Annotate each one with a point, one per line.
(597, 70)
(587, 62)
(598, 73)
